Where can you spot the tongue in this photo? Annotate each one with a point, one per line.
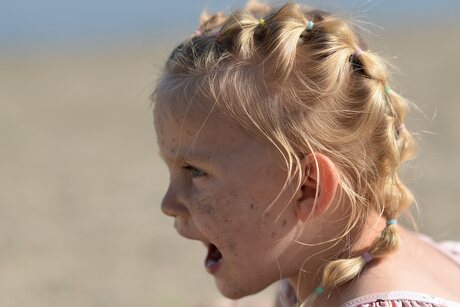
(213, 256)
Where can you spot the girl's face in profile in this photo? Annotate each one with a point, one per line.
(221, 182)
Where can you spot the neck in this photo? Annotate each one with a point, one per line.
(306, 280)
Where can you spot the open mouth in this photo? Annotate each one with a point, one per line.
(213, 259)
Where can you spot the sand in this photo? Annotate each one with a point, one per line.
(81, 181)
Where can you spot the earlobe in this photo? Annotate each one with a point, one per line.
(319, 186)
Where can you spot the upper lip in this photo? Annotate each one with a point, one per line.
(185, 235)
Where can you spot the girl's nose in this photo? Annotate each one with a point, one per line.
(173, 205)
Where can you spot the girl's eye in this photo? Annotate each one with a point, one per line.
(194, 172)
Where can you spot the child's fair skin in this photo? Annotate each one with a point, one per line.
(221, 182)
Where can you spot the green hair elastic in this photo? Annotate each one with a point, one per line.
(387, 89)
(310, 25)
(319, 290)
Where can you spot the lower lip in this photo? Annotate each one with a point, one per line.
(213, 267)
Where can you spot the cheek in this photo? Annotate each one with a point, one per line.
(222, 208)
(239, 223)
(212, 214)
(227, 219)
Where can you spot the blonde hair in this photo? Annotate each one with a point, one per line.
(305, 89)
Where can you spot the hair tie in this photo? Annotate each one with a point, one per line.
(319, 290)
(387, 89)
(310, 25)
(392, 222)
(367, 257)
(400, 127)
(198, 32)
(358, 52)
(262, 22)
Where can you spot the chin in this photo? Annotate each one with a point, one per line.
(237, 291)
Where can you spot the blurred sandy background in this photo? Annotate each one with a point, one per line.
(81, 181)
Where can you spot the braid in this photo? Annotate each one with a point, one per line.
(237, 34)
(341, 271)
(284, 28)
(397, 197)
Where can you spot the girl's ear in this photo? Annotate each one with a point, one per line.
(319, 186)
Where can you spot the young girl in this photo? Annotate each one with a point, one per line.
(283, 139)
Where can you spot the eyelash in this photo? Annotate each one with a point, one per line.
(192, 169)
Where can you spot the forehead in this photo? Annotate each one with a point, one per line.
(201, 130)
(192, 115)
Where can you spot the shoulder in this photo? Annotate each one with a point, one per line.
(400, 298)
(416, 266)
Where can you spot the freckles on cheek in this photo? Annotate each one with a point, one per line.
(206, 206)
(220, 221)
(221, 210)
(208, 211)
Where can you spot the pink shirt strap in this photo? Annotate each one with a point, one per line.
(400, 299)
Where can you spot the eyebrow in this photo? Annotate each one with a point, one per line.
(193, 158)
